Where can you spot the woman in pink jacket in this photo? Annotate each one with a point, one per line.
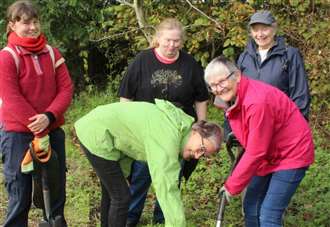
(35, 91)
(276, 137)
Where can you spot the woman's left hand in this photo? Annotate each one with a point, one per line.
(39, 123)
(226, 192)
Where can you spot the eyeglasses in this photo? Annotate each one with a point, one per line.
(221, 83)
(202, 147)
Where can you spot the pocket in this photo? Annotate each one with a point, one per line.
(2, 155)
(291, 175)
(298, 175)
(13, 146)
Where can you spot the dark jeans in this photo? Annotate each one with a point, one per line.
(115, 193)
(19, 186)
(267, 197)
(226, 128)
(140, 181)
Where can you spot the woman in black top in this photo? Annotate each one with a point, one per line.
(165, 72)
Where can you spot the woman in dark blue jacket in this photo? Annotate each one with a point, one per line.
(269, 59)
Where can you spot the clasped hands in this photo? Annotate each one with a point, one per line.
(39, 123)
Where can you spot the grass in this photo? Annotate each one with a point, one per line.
(309, 206)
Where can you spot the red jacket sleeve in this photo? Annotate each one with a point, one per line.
(260, 126)
(64, 87)
(10, 93)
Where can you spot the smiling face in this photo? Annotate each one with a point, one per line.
(169, 43)
(224, 85)
(197, 146)
(26, 28)
(263, 35)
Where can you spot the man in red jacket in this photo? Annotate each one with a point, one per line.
(276, 137)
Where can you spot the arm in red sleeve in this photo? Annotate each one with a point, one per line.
(64, 87)
(13, 100)
(260, 123)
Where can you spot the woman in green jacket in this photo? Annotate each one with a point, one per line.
(115, 134)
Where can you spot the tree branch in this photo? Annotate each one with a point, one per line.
(125, 3)
(118, 34)
(217, 23)
(137, 5)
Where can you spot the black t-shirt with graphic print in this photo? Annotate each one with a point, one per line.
(181, 82)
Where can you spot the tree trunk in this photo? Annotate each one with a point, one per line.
(138, 7)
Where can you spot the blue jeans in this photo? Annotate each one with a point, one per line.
(267, 197)
(140, 181)
(18, 185)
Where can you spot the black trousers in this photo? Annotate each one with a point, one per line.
(115, 193)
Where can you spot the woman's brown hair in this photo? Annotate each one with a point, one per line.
(21, 10)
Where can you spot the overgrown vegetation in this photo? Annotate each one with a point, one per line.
(99, 38)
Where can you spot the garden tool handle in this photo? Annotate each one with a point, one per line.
(221, 210)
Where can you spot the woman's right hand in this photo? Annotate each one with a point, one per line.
(39, 123)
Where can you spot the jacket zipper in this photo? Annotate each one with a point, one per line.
(36, 64)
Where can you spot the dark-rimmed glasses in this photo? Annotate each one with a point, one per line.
(202, 147)
(221, 83)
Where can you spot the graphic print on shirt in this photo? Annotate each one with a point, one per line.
(162, 80)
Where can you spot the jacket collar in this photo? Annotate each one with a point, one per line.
(22, 51)
(241, 91)
(278, 48)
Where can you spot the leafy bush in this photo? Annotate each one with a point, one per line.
(99, 38)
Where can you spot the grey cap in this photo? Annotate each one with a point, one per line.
(262, 17)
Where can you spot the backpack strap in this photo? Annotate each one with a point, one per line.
(52, 55)
(13, 53)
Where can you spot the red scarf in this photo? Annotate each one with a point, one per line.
(30, 44)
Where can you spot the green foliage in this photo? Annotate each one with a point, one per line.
(80, 28)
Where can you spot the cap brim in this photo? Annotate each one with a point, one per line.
(259, 22)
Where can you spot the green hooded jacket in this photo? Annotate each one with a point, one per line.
(155, 133)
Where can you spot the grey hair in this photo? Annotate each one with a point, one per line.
(219, 66)
(211, 131)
